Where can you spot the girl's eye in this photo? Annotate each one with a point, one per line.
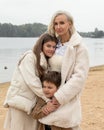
(49, 46)
(54, 47)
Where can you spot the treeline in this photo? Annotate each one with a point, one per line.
(96, 34)
(26, 30)
(36, 29)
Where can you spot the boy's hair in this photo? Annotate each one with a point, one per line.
(53, 77)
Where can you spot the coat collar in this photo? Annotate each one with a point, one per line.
(74, 40)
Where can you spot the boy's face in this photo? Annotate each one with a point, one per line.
(49, 89)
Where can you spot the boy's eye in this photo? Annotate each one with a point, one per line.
(50, 87)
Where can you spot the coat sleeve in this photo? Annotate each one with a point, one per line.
(75, 83)
(37, 110)
(28, 70)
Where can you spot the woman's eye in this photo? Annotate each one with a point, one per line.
(62, 22)
(55, 23)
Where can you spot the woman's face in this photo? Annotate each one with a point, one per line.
(61, 25)
(49, 48)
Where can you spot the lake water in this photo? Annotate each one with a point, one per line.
(12, 48)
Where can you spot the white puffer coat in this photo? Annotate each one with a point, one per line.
(74, 70)
(25, 84)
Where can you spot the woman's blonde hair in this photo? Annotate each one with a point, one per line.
(69, 18)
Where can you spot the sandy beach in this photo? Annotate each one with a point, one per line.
(92, 100)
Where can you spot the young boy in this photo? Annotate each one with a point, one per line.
(50, 83)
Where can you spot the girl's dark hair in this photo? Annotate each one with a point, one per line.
(53, 77)
(38, 48)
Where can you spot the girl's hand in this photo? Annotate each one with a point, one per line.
(50, 107)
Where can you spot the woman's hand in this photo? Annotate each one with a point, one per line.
(55, 102)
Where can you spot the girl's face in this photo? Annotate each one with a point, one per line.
(49, 48)
(49, 89)
(61, 25)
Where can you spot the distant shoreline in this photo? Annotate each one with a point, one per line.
(98, 67)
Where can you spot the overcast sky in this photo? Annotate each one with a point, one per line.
(87, 14)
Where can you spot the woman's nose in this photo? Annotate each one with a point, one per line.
(58, 26)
